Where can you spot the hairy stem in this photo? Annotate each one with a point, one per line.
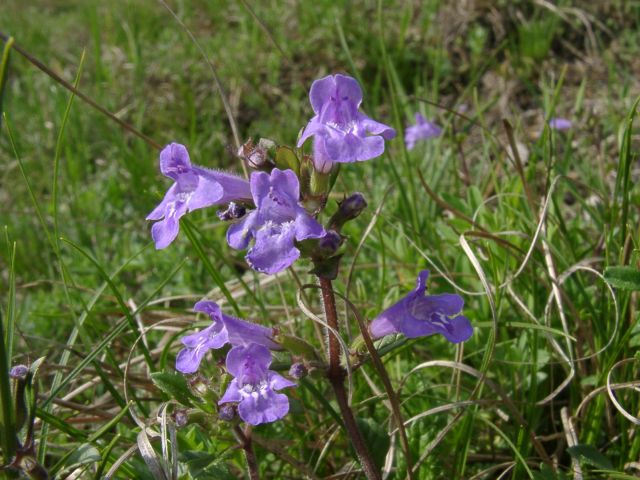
(336, 375)
(244, 438)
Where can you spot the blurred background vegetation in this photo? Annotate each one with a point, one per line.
(520, 61)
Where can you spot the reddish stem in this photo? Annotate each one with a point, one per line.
(336, 375)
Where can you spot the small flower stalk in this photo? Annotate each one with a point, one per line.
(276, 217)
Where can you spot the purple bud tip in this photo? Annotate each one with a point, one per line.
(298, 371)
(233, 212)
(348, 209)
(330, 242)
(19, 372)
(227, 412)
(353, 205)
(181, 418)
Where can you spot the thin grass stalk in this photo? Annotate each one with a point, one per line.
(41, 66)
(8, 435)
(4, 70)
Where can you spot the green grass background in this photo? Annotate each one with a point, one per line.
(93, 184)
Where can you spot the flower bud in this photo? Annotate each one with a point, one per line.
(19, 372)
(330, 243)
(353, 205)
(348, 209)
(256, 155)
(233, 212)
(298, 370)
(227, 412)
(199, 385)
(180, 418)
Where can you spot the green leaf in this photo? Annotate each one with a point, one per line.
(175, 385)
(287, 159)
(85, 453)
(4, 69)
(203, 466)
(627, 278)
(547, 473)
(590, 455)
(298, 346)
(376, 439)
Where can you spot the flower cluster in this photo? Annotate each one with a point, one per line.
(254, 385)
(275, 224)
(274, 216)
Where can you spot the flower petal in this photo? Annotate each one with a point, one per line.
(560, 124)
(321, 161)
(314, 127)
(342, 147)
(239, 234)
(274, 249)
(372, 127)
(348, 89)
(388, 321)
(447, 303)
(321, 91)
(269, 407)
(174, 160)
(260, 186)
(214, 336)
(232, 394)
(278, 382)
(372, 147)
(188, 359)
(252, 359)
(208, 192)
(285, 182)
(165, 231)
(210, 308)
(460, 330)
(421, 281)
(423, 130)
(306, 226)
(234, 188)
(245, 333)
(159, 212)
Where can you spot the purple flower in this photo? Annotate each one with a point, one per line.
(276, 223)
(195, 187)
(19, 372)
(342, 133)
(560, 124)
(254, 385)
(422, 130)
(224, 329)
(418, 315)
